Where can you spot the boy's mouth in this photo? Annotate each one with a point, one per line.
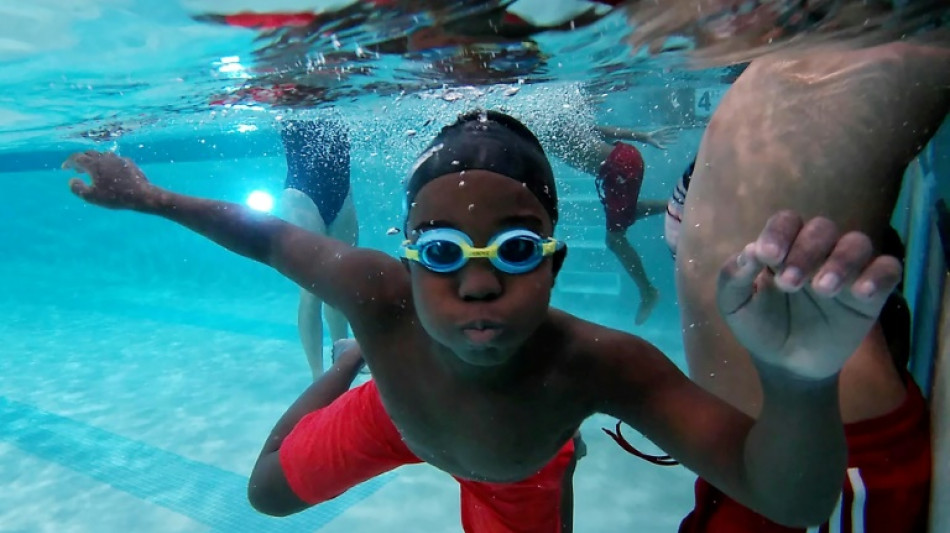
(481, 331)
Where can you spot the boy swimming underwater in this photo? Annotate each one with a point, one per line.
(475, 374)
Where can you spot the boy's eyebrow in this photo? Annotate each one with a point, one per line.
(525, 221)
(531, 222)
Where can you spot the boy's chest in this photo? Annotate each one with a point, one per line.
(486, 435)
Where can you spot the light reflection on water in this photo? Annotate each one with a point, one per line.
(148, 66)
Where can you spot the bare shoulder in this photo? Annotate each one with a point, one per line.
(382, 290)
(604, 362)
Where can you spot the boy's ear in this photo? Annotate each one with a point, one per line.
(558, 258)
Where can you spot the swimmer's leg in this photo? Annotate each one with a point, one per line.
(627, 255)
(300, 210)
(344, 228)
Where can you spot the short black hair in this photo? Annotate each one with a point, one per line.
(487, 140)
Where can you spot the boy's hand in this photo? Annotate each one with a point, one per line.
(802, 297)
(348, 355)
(662, 137)
(116, 182)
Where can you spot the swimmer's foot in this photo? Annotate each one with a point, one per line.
(648, 300)
(344, 345)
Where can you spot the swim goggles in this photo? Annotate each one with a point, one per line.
(446, 250)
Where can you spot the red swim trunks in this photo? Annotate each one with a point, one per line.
(353, 439)
(618, 184)
(887, 488)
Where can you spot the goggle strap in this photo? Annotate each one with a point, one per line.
(410, 251)
(480, 253)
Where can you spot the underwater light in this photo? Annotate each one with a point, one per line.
(229, 68)
(260, 201)
(230, 65)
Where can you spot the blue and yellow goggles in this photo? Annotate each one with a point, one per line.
(515, 251)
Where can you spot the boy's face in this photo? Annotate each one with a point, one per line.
(482, 314)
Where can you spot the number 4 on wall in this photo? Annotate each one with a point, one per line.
(706, 100)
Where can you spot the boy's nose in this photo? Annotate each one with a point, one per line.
(478, 280)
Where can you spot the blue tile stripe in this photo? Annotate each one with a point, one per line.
(202, 492)
(208, 147)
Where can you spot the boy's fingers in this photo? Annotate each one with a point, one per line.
(737, 280)
(776, 238)
(79, 162)
(846, 262)
(810, 250)
(79, 187)
(878, 280)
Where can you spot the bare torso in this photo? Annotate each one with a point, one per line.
(497, 430)
(825, 133)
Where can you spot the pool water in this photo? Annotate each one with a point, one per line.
(143, 366)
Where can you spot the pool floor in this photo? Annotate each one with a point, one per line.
(118, 413)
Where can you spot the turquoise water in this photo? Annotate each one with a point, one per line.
(143, 366)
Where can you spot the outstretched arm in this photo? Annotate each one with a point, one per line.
(801, 324)
(660, 138)
(350, 279)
